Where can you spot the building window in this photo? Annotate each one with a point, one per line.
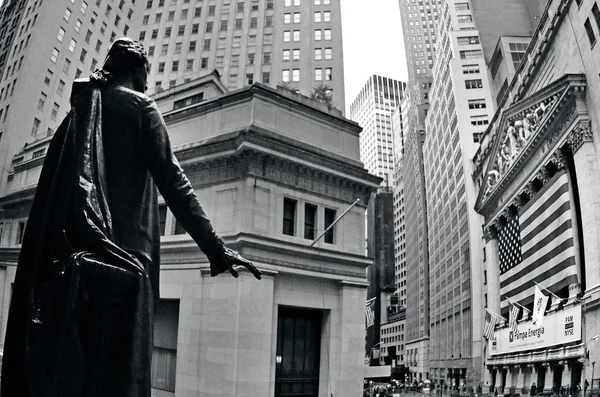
(479, 120)
(42, 101)
(464, 18)
(211, 10)
(327, 34)
(471, 54)
(517, 52)
(204, 63)
(461, 6)
(181, 30)
(249, 78)
(266, 77)
(286, 55)
(318, 17)
(48, 77)
(285, 75)
(206, 45)
(477, 137)
(327, 16)
(21, 226)
(161, 67)
(318, 54)
(286, 36)
(318, 74)
(296, 35)
(470, 69)
(318, 35)
(67, 15)
(175, 66)
(72, 45)
(60, 88)
(328, 74)
(328, 53)
(267, 58)
(151, 50)
(310, 221)
(287, 18)
(329, 218)
(164, 354)
(289, 214)
(168, 32)
(472, 84)
(477, 104)
(596, 13)
(184, 14)
(35, 127)
(467, 40)
(296, 17)
(192, 46)
(268, 21)
(54, 111)
(296, 75)
(590, 31)
(60, 35)
(296, 55)
(189, 64)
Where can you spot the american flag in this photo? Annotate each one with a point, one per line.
(537, 245)
(370, 312)
(489, 325)
(513, 315)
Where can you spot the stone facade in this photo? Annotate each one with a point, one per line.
(245, 152)
(552, 104)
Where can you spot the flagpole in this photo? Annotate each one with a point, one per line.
(334, 222)
(496, 315)
(517, 304)
(546, 289)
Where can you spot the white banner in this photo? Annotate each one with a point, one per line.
(540, 302)
(557, 329)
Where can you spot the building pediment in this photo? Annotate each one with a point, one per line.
(525, 129)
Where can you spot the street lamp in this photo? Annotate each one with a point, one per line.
(587, 357)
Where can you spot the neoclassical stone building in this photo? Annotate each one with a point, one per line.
(539, 179)
(272, 169)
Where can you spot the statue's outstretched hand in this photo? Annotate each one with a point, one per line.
(228, 260)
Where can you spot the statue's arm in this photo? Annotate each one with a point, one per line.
(175, 186)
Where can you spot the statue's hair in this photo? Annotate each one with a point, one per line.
(124, 56)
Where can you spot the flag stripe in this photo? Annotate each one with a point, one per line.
(536, 242)
(538, 245)
(545, 264)
(526, 297)
(547, 200)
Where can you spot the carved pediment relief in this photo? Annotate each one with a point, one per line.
(522, 129)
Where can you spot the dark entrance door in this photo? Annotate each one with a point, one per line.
(298, 352)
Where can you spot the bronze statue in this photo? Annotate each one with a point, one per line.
(81, 315)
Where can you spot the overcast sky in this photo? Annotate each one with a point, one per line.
(373, 43)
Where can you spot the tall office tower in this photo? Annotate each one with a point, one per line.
(296, 42)
(372, 109)
(417, 259)
(46, 45)
(461, 106)
(419, 18)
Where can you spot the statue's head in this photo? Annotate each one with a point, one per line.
(127, 61)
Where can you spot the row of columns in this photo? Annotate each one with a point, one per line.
(520, 378)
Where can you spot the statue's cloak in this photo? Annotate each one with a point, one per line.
(42, 351)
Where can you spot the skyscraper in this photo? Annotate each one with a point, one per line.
(295, 42)
(47, 44)
(372, 109)
(461, 107)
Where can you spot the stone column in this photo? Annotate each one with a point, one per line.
(490, 380)
(492, 259)
(549, 378)
(509, 380)
(532, 372)
(521, 378)
(585, 159)
(566, 374)
(500, 378)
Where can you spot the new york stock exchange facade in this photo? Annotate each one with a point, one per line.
(539, 195)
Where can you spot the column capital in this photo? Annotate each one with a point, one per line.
(579, 135)
(531, 365)
(489, 233)
(558, 159)
(543, 176)
(530, 190)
